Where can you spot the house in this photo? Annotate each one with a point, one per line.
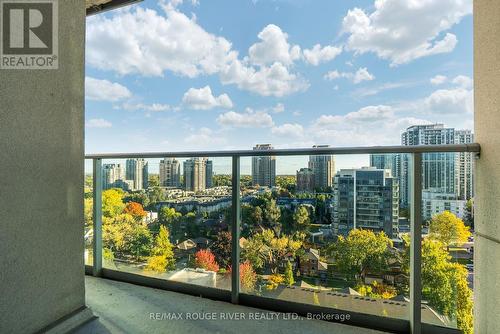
(311, 265)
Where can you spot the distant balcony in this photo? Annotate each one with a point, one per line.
(188, 238)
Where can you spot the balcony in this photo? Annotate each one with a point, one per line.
(204, 244)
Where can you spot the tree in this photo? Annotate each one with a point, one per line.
(167, 215)
(248, 277)
(155, 195)
(221, 248)
(361, 250)
(88, 206)
(205, 259)
(469, 214)
(257, 215)
(139, 197)
(112, 202)
(289, 280)
(135, 210)
(274, 281)
(138, 241)
(162, 258)
(301, 217)
(448, 228)
(444, 283)
(272, 212)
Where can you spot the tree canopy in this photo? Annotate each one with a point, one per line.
(448, 228)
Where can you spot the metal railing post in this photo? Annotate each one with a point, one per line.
(235, 231)
(97, 217)
(416, 245)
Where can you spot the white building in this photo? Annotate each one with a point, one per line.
(435, 203)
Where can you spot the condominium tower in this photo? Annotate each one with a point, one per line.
(137, 173)
(198, 174)
(323, 168)
(264, 167)
(170, 173)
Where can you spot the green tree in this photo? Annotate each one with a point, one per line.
(301, 217)
(289, 280)
(272, 212)
(138, 197)
(155, 195)
(163, 254)
(258, 215)
(112, 202)
(360, 251)
(444, 283)
(469, 214)
(221, 248)
(448, 228)
(168, 216)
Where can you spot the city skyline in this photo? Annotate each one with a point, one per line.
(297, 74)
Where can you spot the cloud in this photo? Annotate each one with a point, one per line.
(275, 80)
(248, 119)
(98, 123)
(357, 77)
(104, 90)
(278, 108)
(318, 55)
(157, 107)
(450, 101)
(438, 80)
(370, 125)
(204, 137)
(288, 130)
(402, 31)
(363, 92)
(141, 41)
(203, 99)
(148, 43)
(274, 47)
(463, 81)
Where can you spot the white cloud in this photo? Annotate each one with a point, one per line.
(98, 123)
(463, 81)
(380, 125)
(450, 101)
(149, 43)
(288, 130)
(274, 47)
(204, 137)
(141, 41)
(438, 80)
(275, 80)
(402, 31)
(104, 90)
(278, 108)
(203, 99)
(318, 55)
(248, 119)
(157, 107)
(357, 77)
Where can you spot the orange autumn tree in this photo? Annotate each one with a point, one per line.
(248, 276)
(135, 210)
(205, 259)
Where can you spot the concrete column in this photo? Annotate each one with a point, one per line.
(41, 184)
(487, 182)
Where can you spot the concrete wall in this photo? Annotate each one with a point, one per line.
(41, 184)
(487, 133)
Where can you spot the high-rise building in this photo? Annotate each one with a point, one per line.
(305, 180)
(387, 161)
(170, 173)
(209, 173)
(264, 168)
(135, 169)
(323, 167)
(365, 198)
(435, 203)
(113, 176)
(438, 169)
(145, 176)
(195, 174)
(464, 167)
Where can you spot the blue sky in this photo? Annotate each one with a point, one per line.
(221, 74)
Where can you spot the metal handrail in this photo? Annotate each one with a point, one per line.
(453, 148)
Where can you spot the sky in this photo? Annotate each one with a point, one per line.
(174, 75)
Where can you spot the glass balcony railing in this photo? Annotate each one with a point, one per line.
(307, 236)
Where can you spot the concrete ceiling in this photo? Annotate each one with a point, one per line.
(96, 6)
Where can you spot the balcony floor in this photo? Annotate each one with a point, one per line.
(126, 308)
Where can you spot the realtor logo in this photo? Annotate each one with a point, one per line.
(28, 34)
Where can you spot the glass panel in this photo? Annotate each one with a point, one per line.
(169, 219)
(323, 230)
(88, 218)
(448, 244)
